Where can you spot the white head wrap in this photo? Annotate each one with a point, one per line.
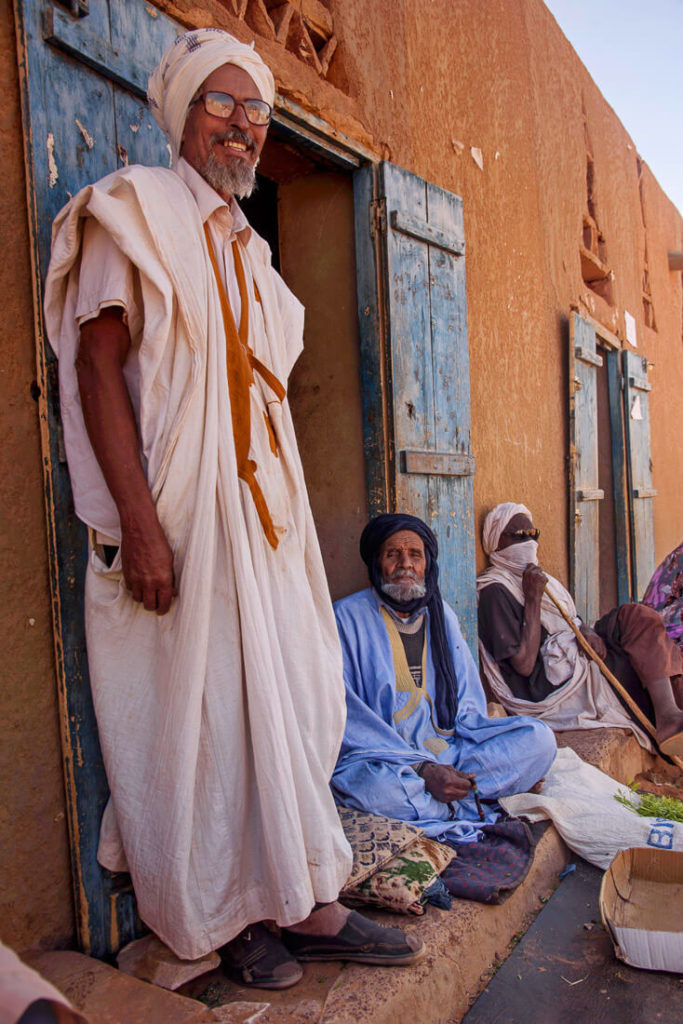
(497, 520)
(188, 63)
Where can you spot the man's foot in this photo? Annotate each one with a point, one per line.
(677, 688)
(669, 727)
(360, 941)
(324, 919)
(257, 958)
(671, 745)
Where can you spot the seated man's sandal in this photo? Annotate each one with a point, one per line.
(360, 941)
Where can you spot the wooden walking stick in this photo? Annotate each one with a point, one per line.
(612, 679)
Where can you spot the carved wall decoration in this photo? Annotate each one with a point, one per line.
(303, 27)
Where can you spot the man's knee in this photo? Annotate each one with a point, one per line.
(636, 617)
(544, 744)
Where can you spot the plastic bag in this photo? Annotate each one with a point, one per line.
(580, 801)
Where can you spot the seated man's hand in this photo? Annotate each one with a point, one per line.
(533, 582)
(596, 642)
(445, 783)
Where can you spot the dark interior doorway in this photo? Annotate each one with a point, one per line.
(304, 209)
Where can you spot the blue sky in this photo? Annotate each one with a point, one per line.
(633, 50)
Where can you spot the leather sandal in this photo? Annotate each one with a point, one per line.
(257, 958)
(360, 941)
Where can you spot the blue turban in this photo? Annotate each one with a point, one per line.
(372, 537)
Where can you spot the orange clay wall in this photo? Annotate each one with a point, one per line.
(35, 884)
(429, 86)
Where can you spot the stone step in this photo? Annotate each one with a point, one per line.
(465, 946)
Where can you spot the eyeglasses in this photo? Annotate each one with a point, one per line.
(532, 534)
(222, 104)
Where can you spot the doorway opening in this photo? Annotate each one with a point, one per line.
(304, 208)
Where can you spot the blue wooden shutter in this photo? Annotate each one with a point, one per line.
(584, 493)
(637, 416)
(83, 77)
(416, 366)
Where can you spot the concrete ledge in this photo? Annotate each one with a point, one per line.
(106, 996)
(465, 945)
(614, 751)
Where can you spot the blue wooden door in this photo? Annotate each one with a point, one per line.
(584, 492)
(641, 494)
(413, 317)
(84, 77)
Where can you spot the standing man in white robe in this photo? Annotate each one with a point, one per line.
(214, 661)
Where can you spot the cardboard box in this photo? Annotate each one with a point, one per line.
(641, 902)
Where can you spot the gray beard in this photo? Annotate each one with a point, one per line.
(238, 180)
(406, 590)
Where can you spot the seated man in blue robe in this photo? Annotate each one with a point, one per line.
(417, 729)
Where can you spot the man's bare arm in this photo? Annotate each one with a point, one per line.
(146, 555)
(533, 585)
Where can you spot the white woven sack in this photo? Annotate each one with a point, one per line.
(580, 801)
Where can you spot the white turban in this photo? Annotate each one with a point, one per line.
(497, 520)
(188, 63)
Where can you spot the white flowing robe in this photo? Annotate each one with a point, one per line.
(219, 722)
(583, 699)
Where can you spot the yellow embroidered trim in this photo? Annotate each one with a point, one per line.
(404, 680)
(441, 732)
(435, 745)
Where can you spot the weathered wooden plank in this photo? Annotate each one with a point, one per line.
(452, 498)
(70, 129)
(410, 351)
(94, 50)
(619, 474)
(309, 129)
(375, 386)
(586, 356)
(408, 225)
(639, 384)
(584, 514)
(427, 385)
(590, 495)
(437, 463)
(637, 416)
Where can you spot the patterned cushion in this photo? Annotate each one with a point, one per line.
(394, 864)
(374, 841)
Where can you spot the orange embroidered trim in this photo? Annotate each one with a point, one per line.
(241, 363)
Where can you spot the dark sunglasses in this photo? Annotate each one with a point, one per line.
(532, 534)
(222, 104)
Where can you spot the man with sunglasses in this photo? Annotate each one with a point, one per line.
(533, 662)
(214, 660)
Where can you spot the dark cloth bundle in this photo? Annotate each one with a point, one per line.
(490, 870)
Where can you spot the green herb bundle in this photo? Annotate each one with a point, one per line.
(647, 805)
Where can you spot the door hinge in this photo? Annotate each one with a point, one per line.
(378, 217)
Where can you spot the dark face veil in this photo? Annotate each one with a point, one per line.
(375, 533)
